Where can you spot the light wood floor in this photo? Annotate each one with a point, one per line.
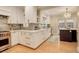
(46, 47)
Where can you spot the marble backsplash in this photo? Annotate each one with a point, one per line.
(20, 26)
(32, 26)
(15, 26)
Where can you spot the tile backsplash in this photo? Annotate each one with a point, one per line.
(20, 26)
(32, 26)
(15, 26)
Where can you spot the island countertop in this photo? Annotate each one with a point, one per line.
(31, 30)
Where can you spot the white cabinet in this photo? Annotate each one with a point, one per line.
(25, 38)
(14, 38)
(20, 17)
(17, 16)
(31, 14)
(13, 17)
(30, 38)
(68, 24)
(35, 38)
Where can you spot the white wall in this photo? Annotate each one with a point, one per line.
(54, 24)
(53, 20)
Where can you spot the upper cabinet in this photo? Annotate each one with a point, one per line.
(31, 14)
(17, 16)
(20, 15)
(13, 17)
(45, 20)
(68, 24)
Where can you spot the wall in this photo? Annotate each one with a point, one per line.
(54, 24)
(53, 20)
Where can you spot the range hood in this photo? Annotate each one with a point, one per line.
(3, 23)
(4, 12)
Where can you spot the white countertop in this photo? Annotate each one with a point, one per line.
(31, 30)
(68, 29)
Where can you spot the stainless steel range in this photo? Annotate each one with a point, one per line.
(4, 32)
(4, 40)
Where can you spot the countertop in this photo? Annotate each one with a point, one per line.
(69, 29)
(31, 30)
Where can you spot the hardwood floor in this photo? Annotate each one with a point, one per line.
(46, 47)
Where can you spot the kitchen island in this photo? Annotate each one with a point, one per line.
(30, 38)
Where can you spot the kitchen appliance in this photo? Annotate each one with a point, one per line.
(4, 40)
(4, 33)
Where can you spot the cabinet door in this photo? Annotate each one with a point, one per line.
(74, 35)
(65, 35)
(12, 19)
(31, 14)
(25, 38)
(13, 16)
(20, 17)
(14, 38)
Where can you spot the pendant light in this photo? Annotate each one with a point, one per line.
(67, 14)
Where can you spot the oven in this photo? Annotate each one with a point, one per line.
(4, 40)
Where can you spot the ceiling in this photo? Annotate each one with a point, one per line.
(21, 7)
(45, 7)
(55, 10)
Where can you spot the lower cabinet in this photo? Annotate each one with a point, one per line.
(25, 38)
(68, 35)
(14, 38)
(31, 39)
(34, 39)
